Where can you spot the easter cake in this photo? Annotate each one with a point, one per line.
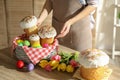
(47, 34)
(94, 65)
(28, 24)
(35, 41)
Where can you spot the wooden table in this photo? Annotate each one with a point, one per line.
(8, 70)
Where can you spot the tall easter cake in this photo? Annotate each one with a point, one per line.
(47, 34)
(94, 65)
(29, 25)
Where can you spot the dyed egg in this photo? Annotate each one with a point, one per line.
(39, 47)
(36, 46)
(30, 67)
(20, 64)
(45, 45)
(20, 44)
(26, 43)
(19, 41)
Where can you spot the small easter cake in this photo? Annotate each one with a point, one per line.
(35, 41)
(47, 34)
(94, 65)
(28, 24)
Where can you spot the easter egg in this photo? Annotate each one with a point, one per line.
(45, 45)
(39, 47)
(19, 41)
(35, 45)
(30, 67)
(26, 43)
(20, 44)
(20, 64)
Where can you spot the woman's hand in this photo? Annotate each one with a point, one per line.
(65, 30)
(85, 12)
(39, 22)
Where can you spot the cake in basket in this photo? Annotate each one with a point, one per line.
(47, 34)
(35, 41)
(94, 65)
(28, 24)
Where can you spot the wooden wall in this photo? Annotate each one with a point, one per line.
(16, 10)
(3, 28)
(11, 12)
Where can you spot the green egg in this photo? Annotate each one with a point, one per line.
(39, 47)
(26, 43)
(20, 44)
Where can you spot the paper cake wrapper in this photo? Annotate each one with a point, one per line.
(77, 74)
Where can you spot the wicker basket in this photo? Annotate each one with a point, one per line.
(34, 55)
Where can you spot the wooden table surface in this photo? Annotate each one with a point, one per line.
(8, 70)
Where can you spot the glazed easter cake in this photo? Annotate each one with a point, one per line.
(28, 24)
(27, 47)
(47, 34)
(94, 65)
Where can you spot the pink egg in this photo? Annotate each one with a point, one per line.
(45, 45)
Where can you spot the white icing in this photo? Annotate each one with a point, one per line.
(94, 59)
(34, 37)
(28, 22)
(47, 32)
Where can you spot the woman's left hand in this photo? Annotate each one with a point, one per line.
(65, 30)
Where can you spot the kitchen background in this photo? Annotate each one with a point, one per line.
(12, 11)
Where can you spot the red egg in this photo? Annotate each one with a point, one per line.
(20, 64)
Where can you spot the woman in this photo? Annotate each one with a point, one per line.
(71, 19)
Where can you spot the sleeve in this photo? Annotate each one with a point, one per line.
(48, 5)
(92, 2)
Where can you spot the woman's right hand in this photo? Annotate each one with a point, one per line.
(65, 30)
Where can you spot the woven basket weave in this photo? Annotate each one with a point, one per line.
(26, 53)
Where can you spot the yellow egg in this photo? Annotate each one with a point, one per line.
(19, 41)
(36, 45)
